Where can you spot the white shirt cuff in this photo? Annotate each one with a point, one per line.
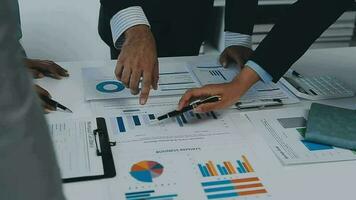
(232, 38)
(124, 20)
(265, 76)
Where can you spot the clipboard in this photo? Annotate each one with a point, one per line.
(103, 150)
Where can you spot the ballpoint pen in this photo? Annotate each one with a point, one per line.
(191, 106)
(54, 104)
(259, 104)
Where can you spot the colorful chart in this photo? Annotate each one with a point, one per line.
(222, 189)
(110, 86)
(144, 195)
(242, 166)
(146, 171)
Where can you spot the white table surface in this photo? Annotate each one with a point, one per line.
(313, 181)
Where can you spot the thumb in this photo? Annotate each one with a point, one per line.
(224, 58)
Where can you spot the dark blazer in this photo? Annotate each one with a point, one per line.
(293, 34)
(179, 26)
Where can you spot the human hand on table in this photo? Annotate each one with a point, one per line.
(236, 54)
(138, 58)
(230, 93)
(42, 92)
(41, 68)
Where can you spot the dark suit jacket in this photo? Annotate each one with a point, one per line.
(179, 26)
(293, 34)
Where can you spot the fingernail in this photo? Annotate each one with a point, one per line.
(143, 101)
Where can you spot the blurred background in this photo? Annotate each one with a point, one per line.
(66, 30)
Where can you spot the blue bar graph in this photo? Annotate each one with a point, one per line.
(146, 195)
(221, 170)
(202, 170)
(184, 119)
(225, 171)
(121, 125)
(136, 120)
(179, 121)
(206, 171)
(241, 167)
(151, 116)
(224, 195)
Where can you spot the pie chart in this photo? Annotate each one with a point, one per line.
(146, 171)
(110, 86)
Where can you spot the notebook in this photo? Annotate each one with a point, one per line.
(331, 125)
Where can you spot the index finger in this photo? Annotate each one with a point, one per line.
(146, 87)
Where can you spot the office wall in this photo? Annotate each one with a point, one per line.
(62, 30)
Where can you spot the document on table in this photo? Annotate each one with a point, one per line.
(74, 144)
(284, 131)
(100, 82)
(215, 172)
(208, 73)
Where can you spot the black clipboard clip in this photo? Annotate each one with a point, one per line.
(97, 133)
(103, 149)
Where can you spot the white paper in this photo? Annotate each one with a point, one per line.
(100, 82)
(283, 130)
(162, 174)
(74, 144)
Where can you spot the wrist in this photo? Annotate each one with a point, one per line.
(136, 30)
(245, 80)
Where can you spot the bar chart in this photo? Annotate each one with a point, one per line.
(148, 194)
(230, 188)
(210, 169)
(123, 124)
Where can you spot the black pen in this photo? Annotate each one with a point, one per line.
(54, 104)
(191, 106)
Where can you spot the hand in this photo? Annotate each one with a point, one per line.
(42, 92)
(237, 54)
(138, 58)
(41, 68)
(230, 93)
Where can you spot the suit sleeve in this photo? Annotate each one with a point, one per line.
(295, 33)
(111, 7)
(240, 16)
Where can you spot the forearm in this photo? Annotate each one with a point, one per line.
(295, 33)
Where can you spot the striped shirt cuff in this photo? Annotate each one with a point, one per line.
(124, 20)
(232, 38)
(265, 76)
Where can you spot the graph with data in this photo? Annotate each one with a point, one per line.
(146, 171)
(123, 124)
(222, 189)
(225, 168)
(149, 194)
(101, 83)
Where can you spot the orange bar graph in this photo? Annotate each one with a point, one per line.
(248, 165)
(245, 193)
(243, 180)
(231, 167)
(254, 185)
(228, 167)
(212, 168)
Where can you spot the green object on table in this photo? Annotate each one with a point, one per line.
(331, 125)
